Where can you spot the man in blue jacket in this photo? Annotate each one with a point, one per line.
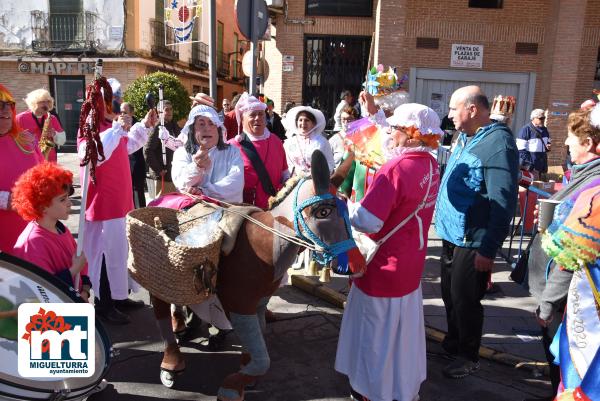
(476, 201)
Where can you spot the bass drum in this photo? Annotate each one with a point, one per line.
(22, 282)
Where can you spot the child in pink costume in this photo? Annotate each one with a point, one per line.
(41, 196)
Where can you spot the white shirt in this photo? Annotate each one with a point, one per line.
(299, 150)
(224, 180)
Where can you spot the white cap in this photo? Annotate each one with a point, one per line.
(200, 110)
(595, 116)
(290, 119)
(416, 115)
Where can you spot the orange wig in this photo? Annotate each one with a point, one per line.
(430, 140)
(6, 96)
(34, 190)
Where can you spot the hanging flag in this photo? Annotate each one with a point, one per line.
(181, 18)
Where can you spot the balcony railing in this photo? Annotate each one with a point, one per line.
(199, 56)
(236, 71)
(63, 32)
(158, 30)
(222, 64)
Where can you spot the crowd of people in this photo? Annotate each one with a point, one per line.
(245, 154)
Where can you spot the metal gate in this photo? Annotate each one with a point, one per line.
(331, 65)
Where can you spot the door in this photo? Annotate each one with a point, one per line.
(69, 94)
(434, 88)
(333, 64)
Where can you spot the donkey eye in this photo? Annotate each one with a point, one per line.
(323, 212)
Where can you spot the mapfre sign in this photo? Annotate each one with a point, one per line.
(58, 68)
(466, 56)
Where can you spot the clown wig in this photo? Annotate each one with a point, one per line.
(430, 140)
(6, 96)
(34, 190)
(39, 95)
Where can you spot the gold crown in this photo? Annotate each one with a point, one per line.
(504, 105)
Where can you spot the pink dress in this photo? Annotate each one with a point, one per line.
(272, 154)
(110, 197)
(51, 251)
(14, 161)
(27, 121)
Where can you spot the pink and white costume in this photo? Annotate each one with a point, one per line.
(382, 339)
(270, 150)
(51, 251)
(15, 159)
(28, 121)
(109, 200)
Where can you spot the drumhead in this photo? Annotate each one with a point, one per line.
(22, 282)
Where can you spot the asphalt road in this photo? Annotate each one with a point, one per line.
(302, 346)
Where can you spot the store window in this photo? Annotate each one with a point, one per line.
(485, 3)
(340, 8)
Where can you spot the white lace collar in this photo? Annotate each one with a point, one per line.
(401, 150)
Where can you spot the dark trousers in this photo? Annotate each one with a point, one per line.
(463, 288)
(547, 337)
(105, 302)
(139, 198)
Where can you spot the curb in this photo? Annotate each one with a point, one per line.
(312, 286)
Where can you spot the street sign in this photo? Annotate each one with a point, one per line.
(252, 19)
(247, 64)
(245, 19)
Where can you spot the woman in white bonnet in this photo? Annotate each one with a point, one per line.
(206, 164)
(305, 127)
(382, 339)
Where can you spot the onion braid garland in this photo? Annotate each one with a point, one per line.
(92, 114)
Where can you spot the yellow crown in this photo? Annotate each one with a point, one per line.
(504, 105)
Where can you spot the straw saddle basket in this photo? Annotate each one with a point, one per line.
(173, 272)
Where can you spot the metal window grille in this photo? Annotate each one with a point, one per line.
(526, 48)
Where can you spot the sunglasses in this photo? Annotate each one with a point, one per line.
(3, 104)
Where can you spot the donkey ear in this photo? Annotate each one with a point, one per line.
(319, 170)
(340, 173)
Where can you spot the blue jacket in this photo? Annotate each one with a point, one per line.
(478, 192)
(531, 142)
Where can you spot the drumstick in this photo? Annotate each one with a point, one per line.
(8, 314)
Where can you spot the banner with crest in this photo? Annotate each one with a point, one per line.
(181, 18)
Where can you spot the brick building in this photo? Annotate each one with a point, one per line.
(543, 52)
(54, 44)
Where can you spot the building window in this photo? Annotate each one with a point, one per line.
(428, 43)
(485, 3)
(159, 10)
(200, 89)
(340, 8)
(526, 48)
(236, 64)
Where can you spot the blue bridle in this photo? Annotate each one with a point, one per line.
(328, 252)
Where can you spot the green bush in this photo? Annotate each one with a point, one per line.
(174, 91)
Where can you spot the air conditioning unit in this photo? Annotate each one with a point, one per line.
(275, 3)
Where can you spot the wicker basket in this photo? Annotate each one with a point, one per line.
(175, 273)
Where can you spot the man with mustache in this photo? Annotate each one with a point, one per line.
(40, 103)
